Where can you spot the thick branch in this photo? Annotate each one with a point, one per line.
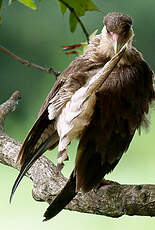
(110, 200)
(28, 63)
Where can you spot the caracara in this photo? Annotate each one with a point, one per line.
(104, 120)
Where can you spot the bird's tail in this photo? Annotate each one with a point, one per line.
(41, 137)
(28, 164)
(63, 198)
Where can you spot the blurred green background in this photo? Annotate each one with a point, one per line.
(38, 37)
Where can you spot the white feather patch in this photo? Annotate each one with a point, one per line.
(51, 112)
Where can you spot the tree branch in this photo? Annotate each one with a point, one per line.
(110, 200)
(28, 63)
(6, 107)
(78, 19)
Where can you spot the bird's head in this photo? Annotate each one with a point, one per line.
(117, 31)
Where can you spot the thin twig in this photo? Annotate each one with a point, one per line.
(78, 19)
(28, 63)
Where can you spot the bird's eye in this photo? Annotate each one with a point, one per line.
(108, 31)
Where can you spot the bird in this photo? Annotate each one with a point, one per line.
(104, 121)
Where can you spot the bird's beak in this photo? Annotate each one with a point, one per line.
(116, 44)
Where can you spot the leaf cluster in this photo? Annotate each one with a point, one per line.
(80, 7)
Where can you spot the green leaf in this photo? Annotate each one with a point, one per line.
(81, 6)
(91, 6)
(29, 3)
(0, 4)
(73, 22)
(63, 8)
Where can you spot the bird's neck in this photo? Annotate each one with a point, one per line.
(100, 50)
(106, 45)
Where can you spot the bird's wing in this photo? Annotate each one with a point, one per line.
(43, 134)
(41, 137)
(57, 85)
(41, 130)
(44, 127)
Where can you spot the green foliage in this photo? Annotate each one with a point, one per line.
(29, 3)
(80, 8)
(0, 4)
(63, 8)
(72, 22)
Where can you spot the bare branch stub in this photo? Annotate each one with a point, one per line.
(8, 106)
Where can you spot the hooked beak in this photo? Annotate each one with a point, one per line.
(116, 44)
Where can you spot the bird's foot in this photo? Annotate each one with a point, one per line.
(106, 182)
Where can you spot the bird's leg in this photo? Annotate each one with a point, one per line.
(62, 152)
(62, 156)
(104, 182)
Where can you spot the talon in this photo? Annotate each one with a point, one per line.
(106, 182)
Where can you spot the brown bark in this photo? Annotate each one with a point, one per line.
(110, 200)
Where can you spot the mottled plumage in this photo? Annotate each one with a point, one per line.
(117, 109)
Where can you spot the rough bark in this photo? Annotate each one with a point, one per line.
(110, 200)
